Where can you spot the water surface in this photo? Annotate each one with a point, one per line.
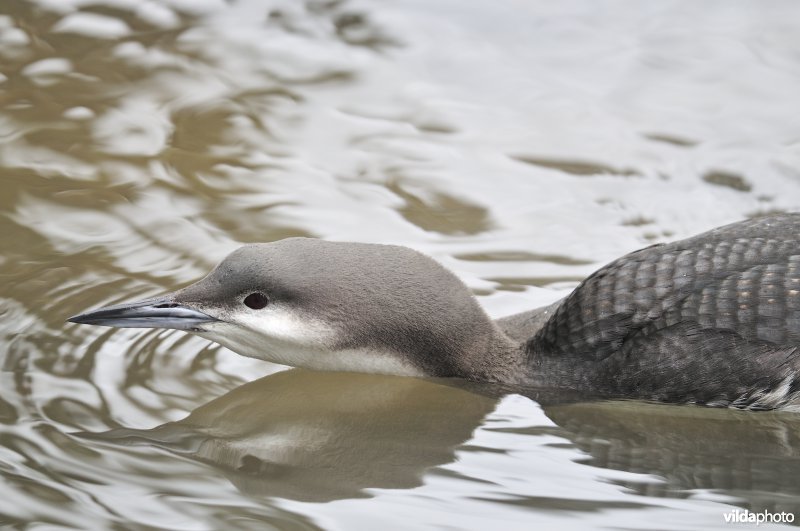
(521, 144)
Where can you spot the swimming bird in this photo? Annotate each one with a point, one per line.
(713, 319)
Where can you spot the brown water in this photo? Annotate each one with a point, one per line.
(522, 144)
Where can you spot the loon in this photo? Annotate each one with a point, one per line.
(710, 320)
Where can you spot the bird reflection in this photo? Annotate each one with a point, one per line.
(752, 457)
(318, 436)
(322, 436)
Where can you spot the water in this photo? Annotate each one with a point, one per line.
(522, 144)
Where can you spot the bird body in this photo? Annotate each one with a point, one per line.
(713, 319)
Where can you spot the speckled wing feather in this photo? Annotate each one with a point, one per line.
(733, 291)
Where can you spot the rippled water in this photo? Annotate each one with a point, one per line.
(522, 144)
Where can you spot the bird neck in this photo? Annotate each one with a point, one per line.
(499, 358)
(508, 352)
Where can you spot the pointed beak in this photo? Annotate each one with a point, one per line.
(160, 312)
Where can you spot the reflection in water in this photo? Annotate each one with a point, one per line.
(318, 437)
(731, 180)
(315, 436)
(753, 458)
(140, 142)
(575, 167)
(442, 213)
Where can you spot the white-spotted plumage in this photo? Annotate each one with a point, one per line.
(780, 397)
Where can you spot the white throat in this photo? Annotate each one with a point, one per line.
(284, 336)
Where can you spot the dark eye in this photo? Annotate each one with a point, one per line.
(256, 301)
